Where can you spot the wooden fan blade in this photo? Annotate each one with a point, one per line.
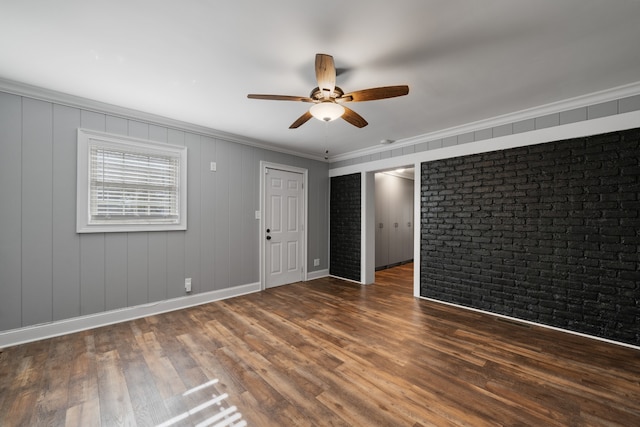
(301, 120)
(375, 93)
(354, 118)
(280, 97)
(325, 74)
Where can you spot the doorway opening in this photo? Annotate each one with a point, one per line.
(399, 277)
(394, 222)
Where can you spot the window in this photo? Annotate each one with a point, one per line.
(127, 184)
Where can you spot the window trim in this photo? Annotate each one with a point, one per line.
(87, 139)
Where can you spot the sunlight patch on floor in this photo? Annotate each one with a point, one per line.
(224, 417)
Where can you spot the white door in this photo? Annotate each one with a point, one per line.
(284, 227)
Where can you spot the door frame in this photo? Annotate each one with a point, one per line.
(368, 255)
(264, 165)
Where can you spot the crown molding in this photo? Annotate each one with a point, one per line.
(35, 92)
(581, 101)
(48, 95)
(614, 123)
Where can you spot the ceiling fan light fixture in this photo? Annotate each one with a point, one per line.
(328, 98)
(327, 111)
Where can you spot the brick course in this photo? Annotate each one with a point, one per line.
(548, 233)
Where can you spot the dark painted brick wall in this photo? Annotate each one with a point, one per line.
(548, 233)
(345, 218)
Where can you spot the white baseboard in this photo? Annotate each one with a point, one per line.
(347, 280)
(317, 274)
(81, 323)
(528, 322)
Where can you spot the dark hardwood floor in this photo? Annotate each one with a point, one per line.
(324, 352)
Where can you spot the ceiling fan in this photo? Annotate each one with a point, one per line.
(328, 99)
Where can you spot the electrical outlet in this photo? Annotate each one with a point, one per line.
(316, 262)
(187, 284)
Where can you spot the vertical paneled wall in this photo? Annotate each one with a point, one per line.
(49, 272)
(10, 211)
(548, 233)
(345, 230)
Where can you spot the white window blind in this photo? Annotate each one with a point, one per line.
(134, 186)
(129, 185)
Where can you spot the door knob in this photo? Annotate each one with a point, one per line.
(268, 237)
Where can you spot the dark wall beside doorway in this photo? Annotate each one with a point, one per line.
(345, 219)
(548, 233)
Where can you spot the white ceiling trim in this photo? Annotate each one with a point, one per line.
(47, 95)
(530, 113)
(21, 89)
(581, 129)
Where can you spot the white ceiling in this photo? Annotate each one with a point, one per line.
(196, 60)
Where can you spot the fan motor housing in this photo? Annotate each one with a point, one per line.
(316, 94)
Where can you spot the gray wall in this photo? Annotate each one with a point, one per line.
(48, 272)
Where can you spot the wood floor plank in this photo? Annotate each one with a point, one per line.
(84, 414)
(83, 381)
(322, 353)
(54, 389)
(115, 403)
(20, 410)
(167, 379)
